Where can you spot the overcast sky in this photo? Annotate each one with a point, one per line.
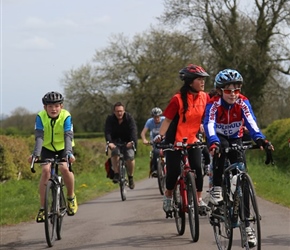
(42, 39)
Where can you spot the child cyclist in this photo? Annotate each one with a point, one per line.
(226, 114)
(153, 124)
(54, 136)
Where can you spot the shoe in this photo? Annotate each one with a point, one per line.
(40, 216)
(116, 177)
(131, 182)
(72, 206)
(203, 205)
(154, 174)
(216, 196)
(252, 241)
(167, 204)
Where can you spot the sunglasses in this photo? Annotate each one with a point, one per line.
(230, 91)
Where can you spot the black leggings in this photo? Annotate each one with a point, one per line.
(173, 159)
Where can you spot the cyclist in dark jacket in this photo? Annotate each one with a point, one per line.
(121, 127)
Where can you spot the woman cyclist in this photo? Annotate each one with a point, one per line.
(183, 117)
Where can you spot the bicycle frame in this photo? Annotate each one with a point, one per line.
(184, 193)
(55, 204)
(240, 208)
(122, 167)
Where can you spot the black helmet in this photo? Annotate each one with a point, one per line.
(156, 111)
(191, 72)
(227, 77)
(52, 97)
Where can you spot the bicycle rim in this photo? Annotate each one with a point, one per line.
(123, 182)
(62, 209)
(220, 219)
(250, 212)
(50, 213)
(161, 176)
(179, 214)
(223, 231)
(192, 206)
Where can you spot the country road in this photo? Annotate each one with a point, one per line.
(139, 223)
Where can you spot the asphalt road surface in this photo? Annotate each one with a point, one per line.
(139, 223)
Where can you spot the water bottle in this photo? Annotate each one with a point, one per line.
(233, 187)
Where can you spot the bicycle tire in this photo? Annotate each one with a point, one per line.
(249, 211)
(220, 220)
(179, 214)
(161, 176)
(123, 181)
(192, 209)
(62, 211)
(50, 213)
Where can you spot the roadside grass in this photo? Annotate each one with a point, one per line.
(20, 199)
(270, 183)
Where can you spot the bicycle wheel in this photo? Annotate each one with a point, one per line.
(123, 181)
(250, 214)
(179, 214)
(220, 220)
(50, 213)
(62, 212)
(192, 208)
(161, 176)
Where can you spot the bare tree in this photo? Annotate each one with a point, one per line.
(255, 45)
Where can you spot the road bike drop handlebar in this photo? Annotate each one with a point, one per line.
(180, 145)
(120, 144)
(52, 160)
(249, 145)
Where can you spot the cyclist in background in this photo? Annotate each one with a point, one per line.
(153, 125)
(183, 117)
(54, 136)
(226, 114)
(121, 127)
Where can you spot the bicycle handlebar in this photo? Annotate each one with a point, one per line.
(249, 145)
(52, 160)
(118, 144)
(179, 145)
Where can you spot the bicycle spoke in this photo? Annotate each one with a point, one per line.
(179, 214)
(50, 213)
(192, 206)
(250, 213)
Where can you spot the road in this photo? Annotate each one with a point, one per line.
(138, 223)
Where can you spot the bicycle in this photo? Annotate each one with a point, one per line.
(161, 168)
(239, 207)
(55, 206)
(123, 181)
(184, 193)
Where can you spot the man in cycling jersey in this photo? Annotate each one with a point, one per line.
(121, 127)
(54, 136)
(183, 117)
(226, 114)
(153, 125)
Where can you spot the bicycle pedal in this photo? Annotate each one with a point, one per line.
(202, 213)
(169, 214)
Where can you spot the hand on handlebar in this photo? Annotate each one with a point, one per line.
(158, 138)
(30, 158)
(214, 148)
(71, 158)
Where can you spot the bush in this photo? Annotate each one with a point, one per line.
(278, 133)
(14, 152)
